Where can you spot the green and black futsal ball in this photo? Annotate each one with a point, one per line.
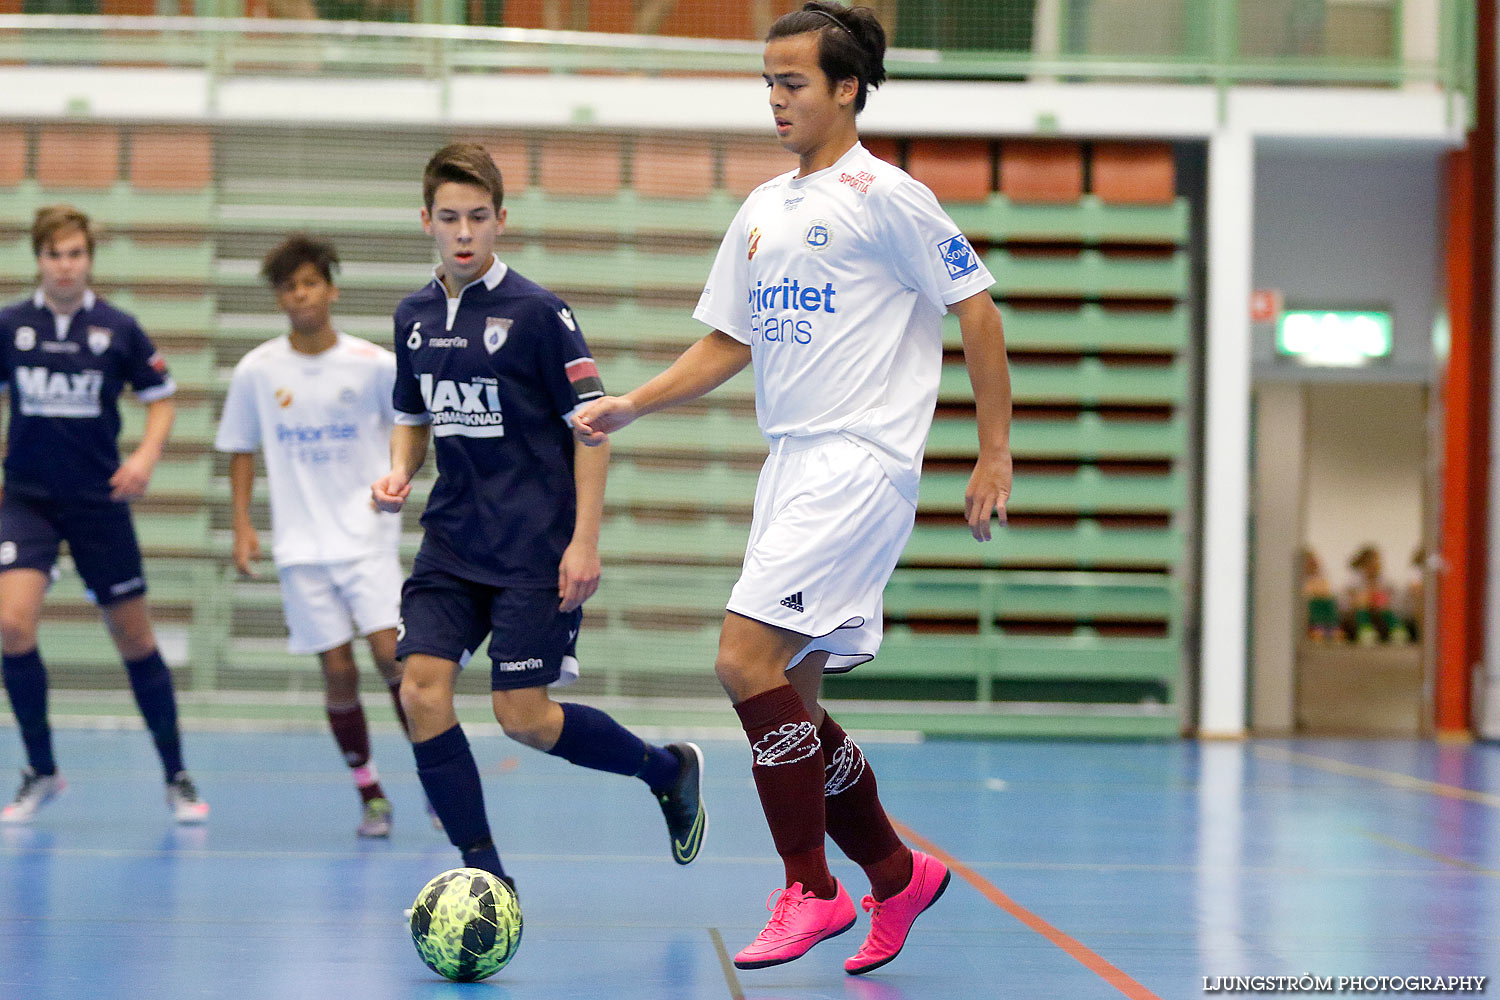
(466, 924)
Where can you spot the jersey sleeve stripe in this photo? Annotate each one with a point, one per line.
(156, 392)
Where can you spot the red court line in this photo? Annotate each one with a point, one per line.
(1079, 951)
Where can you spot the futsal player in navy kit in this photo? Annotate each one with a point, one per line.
(66, 355)
(492, 366)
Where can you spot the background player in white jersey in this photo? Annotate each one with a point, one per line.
(832, 282)
(318, 404)
(491, 366)
(67, 355)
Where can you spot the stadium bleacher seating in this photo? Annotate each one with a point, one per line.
(1077, 602)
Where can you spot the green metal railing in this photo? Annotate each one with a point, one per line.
(1190, 41)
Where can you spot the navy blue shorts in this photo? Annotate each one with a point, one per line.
(100, 536)
(447, 616)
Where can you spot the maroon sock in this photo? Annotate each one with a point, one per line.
(788, 769)
(856, 820)
(353, 737)
(395, 690)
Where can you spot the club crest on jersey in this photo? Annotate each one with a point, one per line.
(958, 256)
(753, 244)
(415, 340)
(25, 338)
(283, 397)
(496, 332)
(818, 235)
(99, 337)
(566, 315)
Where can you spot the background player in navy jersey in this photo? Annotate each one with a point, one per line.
(832, 281)
(493, 366)
(318, 404)
(66, 355)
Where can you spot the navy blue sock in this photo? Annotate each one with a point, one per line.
(590, 738)
(26, 683)
(445, 764)
(151, 682)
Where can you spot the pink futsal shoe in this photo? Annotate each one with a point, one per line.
(891, 919)
(798, 921)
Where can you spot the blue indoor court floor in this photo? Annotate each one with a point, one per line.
(1082, 870)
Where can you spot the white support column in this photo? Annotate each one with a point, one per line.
(1226, 437)
(1419, 40)
(1277, 489)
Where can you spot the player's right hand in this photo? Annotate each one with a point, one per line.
(246, 550)
(390, 492)
(596, 422)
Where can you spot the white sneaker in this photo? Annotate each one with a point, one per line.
(182, 799)
(36, 791)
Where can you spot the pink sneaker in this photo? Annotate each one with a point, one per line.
(798, 921)
(891, 919)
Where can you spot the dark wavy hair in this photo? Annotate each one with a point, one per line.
(851, 42)
(291, 253)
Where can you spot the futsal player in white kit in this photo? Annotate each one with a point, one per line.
(832, 281)
(317, 403)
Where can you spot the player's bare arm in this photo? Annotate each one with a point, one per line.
(701, 368)
(241, 482)
(579, 570)
(989, 374)
(134, 474)
(408, 452)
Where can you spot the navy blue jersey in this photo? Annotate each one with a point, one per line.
(65, 391)
(497, 377)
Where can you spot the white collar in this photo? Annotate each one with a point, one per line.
(40, 301)
(491, 278)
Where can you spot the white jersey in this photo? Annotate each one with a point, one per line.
(324, 423)
(838, 281)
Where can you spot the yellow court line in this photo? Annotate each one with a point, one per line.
(1423, 852)
(1394, 779)
(730, 979)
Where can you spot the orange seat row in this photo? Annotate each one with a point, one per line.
(90, 157)
(1045, 170)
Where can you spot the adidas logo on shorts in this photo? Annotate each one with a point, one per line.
(794, 602)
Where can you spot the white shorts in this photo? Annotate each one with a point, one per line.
(326, 602)
(828, 528)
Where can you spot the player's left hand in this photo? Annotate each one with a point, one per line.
(988, 492)
(577, 575)
(130, 479)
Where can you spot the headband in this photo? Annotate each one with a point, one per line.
(836, 22)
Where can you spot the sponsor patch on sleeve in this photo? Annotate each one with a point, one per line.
(958, 257)
(158, 363)
(584, 375)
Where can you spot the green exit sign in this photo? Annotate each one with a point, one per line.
(1333, 337)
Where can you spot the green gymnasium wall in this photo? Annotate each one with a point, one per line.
(1071, 623)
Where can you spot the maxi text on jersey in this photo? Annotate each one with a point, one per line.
(469, 409)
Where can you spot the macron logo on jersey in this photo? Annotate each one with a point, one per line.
(46, 393)
(467, 409)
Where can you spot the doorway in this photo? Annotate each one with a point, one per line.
(1340, 561)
